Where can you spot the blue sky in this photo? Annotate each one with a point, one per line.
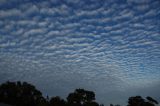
(109, 46)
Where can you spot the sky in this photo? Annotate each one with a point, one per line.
(111, 47)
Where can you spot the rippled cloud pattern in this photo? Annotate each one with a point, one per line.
(109, 46)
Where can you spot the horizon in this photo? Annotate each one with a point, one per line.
(111, 47)
(80, 96)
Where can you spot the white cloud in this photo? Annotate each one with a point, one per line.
(33, 9)
(139, 1)
(73, 1)
(10, 13)
(108, 43)
(142, 7)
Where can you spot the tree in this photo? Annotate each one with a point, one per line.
(136, 101)
(139, 101)
(25, 94)
(81, 97)
(114, 105)
(150, 99)
(57, 101)
(20, 94)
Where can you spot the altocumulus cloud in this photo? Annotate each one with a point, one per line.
(110, 47)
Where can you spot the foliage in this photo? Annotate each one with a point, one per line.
(81, 97)
(25, 94)
(139, 101)
(20, 94)
(57, 101)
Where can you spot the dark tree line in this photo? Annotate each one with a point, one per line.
(25, 94)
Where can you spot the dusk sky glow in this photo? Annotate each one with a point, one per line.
(111, 47)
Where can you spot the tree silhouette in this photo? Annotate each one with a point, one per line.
(136, 101)
(20, 94)
(57, 101)
(139, 101)
(111, 105)
(114, 105)
(25, 94)
(81, 97)
(151, 100)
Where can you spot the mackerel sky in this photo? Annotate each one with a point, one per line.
(109, 46)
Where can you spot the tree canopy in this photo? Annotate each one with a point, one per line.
(20, 94)
(81, 97)
(25, 94)
(139, 101)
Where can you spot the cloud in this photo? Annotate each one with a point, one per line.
(139, 2)
(104, 44)
(10, 13)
